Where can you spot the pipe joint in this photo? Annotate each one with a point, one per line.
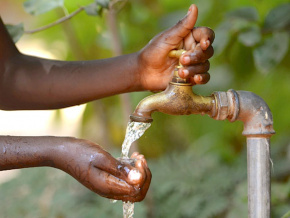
(227, 105)
(247, 107)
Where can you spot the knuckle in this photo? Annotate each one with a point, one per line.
(209, 52)
(183, 23)
(205, 32)
(207, 65)
(205, 78)
(196, 56)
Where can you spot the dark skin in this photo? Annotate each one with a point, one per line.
(32, 83)
(84, 160)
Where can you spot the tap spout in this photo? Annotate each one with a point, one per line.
(177, 99)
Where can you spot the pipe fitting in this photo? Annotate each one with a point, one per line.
(255, 114)
(222, 106)
(248, 107)
(227, 105)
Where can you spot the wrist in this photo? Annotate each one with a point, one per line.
(136, 69)
(63, 151)
(142, 68)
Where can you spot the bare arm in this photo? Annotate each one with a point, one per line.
(33, 83)
(23, 152)
(28, 82)
(85, 161)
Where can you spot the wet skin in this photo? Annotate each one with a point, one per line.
(87, 162)
(32, 83)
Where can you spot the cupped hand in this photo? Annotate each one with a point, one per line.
(100, 172)
(155, 67)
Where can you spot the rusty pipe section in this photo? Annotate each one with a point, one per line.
(177, 99)
(247, 107)
(258, 128)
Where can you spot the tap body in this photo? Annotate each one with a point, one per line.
(177, 99)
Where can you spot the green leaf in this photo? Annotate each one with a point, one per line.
(96, 8)
(278, 18)
(36, 7)
(239, 25)
(271, 52)
(286, 215)
(93, 9)
(222, 37)
(251, 36)
(15, 31)
(103, 3)
(245, 13)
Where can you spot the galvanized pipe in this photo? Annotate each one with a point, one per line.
(258, 128)
(259, 182)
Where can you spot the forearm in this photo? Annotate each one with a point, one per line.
(34, 83)
(28, 82)
(23, 152)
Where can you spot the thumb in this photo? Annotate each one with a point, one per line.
(175, 34)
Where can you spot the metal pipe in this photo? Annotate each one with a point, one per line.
(252, 110)
(258, 128)
(177, 99)
(259, 182)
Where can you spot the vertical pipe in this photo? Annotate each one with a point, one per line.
(259, 186)
(256, 115)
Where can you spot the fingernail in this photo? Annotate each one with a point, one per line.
(134, 175)
(206, 44)
(197, 78)
(185, 72)
(189, 10)
(186, 59)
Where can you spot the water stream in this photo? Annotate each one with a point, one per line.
(133, 132)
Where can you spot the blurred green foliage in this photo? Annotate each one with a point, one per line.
(198, 164)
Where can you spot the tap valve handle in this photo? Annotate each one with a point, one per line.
(177, 54)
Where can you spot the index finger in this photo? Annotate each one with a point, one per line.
(204, 35)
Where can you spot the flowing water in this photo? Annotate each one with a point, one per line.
(133, 132)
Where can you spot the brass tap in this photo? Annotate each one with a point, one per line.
(177, 99)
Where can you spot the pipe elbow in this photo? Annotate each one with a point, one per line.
(248, 107)
(255, 114)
